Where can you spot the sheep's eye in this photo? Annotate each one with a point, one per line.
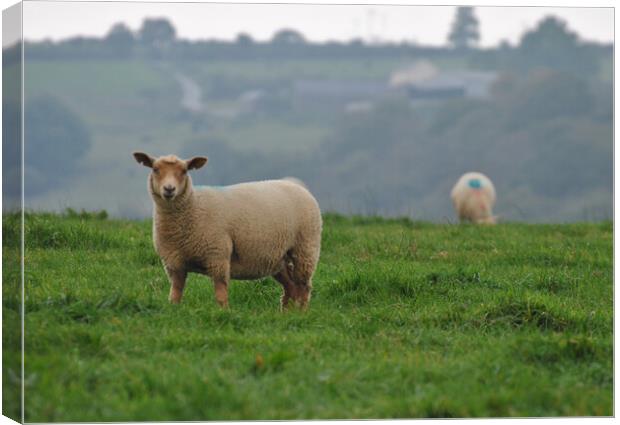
(156, 170)
(183, 172)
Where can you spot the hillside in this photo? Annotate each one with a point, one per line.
(372, 129)
(407, 320)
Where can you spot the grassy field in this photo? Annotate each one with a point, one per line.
(270, 70)
(407, 320)
(104, 93)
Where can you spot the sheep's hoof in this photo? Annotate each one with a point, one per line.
(174, 299)
(285, 304)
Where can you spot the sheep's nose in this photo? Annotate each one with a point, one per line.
(169, 190)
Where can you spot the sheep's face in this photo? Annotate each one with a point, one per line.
(492, 219)
(169, 179)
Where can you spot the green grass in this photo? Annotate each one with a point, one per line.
(407, 319)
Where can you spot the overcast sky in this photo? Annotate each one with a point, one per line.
(428, 25)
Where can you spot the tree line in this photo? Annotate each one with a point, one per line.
(552, 44)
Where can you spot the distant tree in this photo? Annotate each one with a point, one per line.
(119, 33)
(546, 95)
(504, 45)
(157, 34)
(357, 42)
(12, 54)
(552, 45)
(244, 39)
(120, 39)
(55, 141)
(550, 34)
(288, 36)
(464, 33)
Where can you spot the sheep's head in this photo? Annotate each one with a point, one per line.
(492, 219)
(169, 178)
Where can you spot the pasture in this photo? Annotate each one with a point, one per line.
(407, 320)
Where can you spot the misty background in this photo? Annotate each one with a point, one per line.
(371, 126)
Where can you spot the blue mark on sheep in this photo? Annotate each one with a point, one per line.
(475, 183)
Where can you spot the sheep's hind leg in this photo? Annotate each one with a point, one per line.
(304, 290)
(302, 271)
(288, 286)
(177, 284)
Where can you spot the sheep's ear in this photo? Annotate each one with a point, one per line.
(144, 159)
(196, 162)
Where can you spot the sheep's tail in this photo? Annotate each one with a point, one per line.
(296, 181)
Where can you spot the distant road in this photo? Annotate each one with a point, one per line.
(192, 93)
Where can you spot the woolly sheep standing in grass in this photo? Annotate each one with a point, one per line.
(245, 231)
(473, 197)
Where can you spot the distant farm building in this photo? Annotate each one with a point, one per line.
(448, 85)
(423, 81)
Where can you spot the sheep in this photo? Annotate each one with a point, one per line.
(473, 197)
(244, 231)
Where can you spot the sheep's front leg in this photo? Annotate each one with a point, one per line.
(177, 283)
(220, 273)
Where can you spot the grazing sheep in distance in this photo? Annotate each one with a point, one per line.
(245, 231)
(473, 197)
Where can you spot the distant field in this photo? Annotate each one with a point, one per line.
(115, 76)
(264, 70)
(138, 102)
(407, 320)
(273, 136)
(125, 104)
(131, 104)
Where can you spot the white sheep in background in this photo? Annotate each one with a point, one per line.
(473, 197)
(245, 231)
